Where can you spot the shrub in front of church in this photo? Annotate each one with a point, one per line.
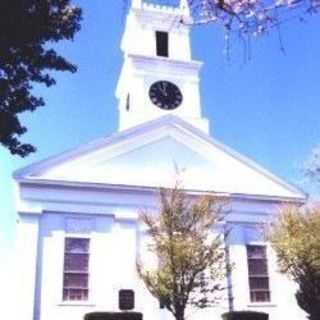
(113, 316)
(245, 315)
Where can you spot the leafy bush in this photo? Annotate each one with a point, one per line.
(113, 316)
(245, 315)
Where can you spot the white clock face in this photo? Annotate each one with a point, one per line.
(166, 95)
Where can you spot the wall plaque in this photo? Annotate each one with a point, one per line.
(126, 299)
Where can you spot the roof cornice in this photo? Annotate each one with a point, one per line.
(154, 189)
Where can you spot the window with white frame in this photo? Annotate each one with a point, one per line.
(76, 269)
(258, 273)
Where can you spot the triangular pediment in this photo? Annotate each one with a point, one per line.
(149, 156)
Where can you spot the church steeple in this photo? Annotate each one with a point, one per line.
(158, 76)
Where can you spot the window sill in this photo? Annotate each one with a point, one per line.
(76, 304)
(262, 305)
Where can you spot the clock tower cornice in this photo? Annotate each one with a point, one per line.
(156, 16)
(149, 62)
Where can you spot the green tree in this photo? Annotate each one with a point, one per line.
(295, 238)
(27, 29)
(191, 256)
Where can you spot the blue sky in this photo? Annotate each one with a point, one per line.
(266, 108)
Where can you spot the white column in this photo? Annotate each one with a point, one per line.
(27, 242)
(239, 274)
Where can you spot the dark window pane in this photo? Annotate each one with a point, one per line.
(259, 283)
(76, 262)
(256, 252)
(75, 294)
(162, 43)
(258, 267)
(128, 102)
(258, 274)
(75, 245)
(72, 280)
(260, 296)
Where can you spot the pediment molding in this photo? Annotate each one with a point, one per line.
(227, 169)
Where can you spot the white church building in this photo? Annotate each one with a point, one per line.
(78, 231)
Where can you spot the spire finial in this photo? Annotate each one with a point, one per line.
(137, 4)
(184, 7)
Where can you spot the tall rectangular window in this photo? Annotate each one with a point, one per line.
(258, 273)
(76, 269)
(162, 43)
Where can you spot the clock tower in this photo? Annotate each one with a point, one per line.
(158, 76)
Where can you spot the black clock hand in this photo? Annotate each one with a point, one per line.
(162, 89)
(165, 85)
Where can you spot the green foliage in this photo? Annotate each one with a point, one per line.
(245, 315)
(27, 28)
(296, 239)
(191, 257)
(113, 316)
